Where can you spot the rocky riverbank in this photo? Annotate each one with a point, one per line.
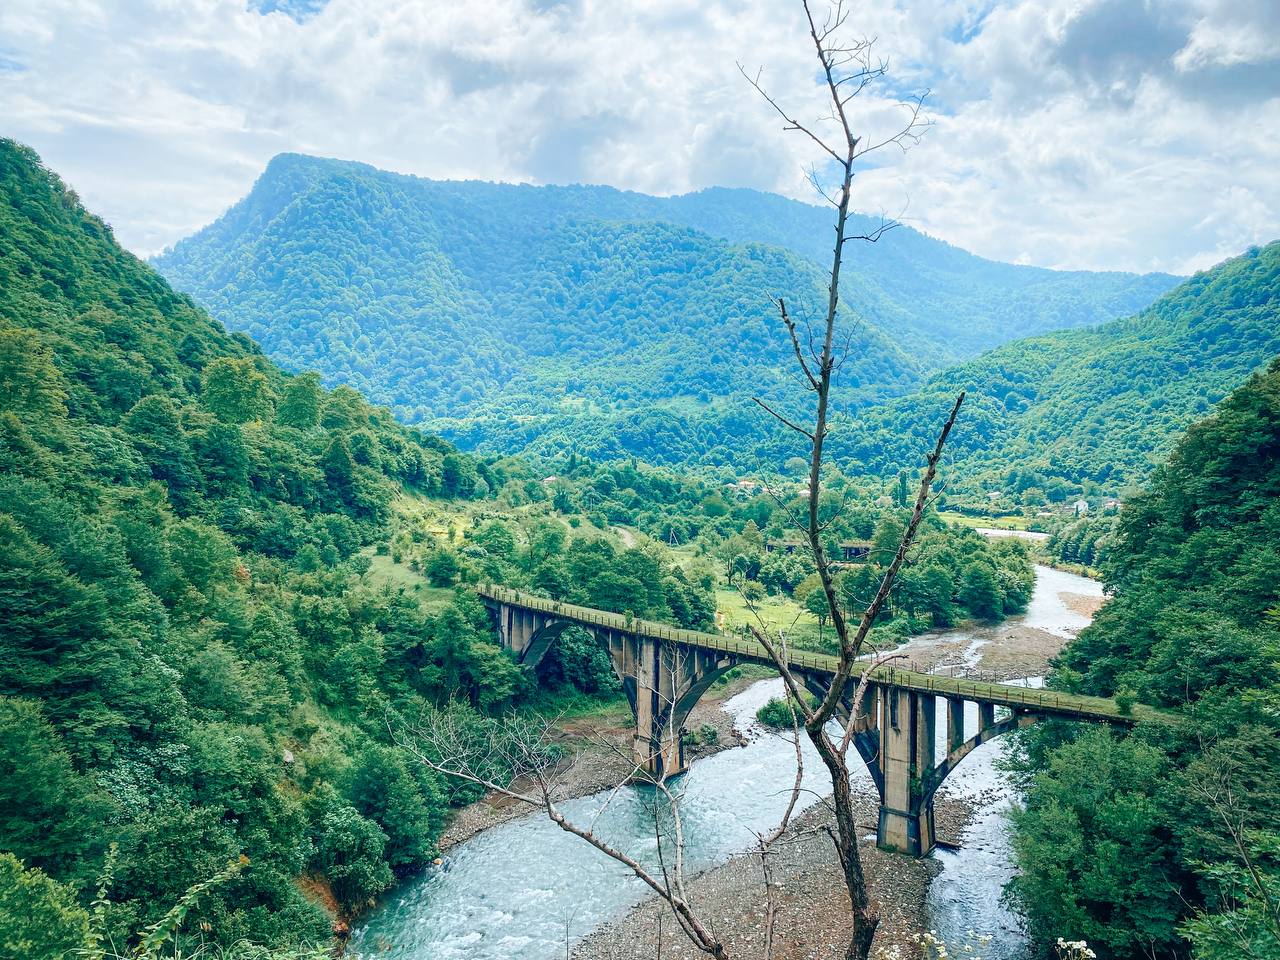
(813, 919)
(596, 750)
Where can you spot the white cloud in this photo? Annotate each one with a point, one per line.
(1074, 133)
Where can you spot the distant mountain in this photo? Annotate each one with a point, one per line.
(1101, 405)
(517, 317)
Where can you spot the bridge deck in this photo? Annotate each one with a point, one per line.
(1048, 702)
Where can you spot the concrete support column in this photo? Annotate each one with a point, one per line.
(896, 754)
(986, 716)
(907, 755)
(645, 670)
(657, 746)
(955, 724)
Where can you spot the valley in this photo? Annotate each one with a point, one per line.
(445, 914)
(445, 569)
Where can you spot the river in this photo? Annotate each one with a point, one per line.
(525, 888)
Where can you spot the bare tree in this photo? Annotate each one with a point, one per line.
(519, 758)
(849, 67)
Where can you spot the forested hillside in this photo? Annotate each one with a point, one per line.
(614, 323)
(198, 654)
(1140, 843)
(190, 657)
(1101, 405)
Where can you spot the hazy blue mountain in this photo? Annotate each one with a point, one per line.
(518, 316)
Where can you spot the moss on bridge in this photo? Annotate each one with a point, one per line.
(1046, 702)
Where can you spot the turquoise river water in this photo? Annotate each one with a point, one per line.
(520, 890)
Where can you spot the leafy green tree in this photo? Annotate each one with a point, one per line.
(458, 476)
(1244, 920)
(39, 917)
(204, 555)
(857, 587)
(50, 815)
(578, 660)
(30, 383)
(340, 471)
(443, 567)
(156, 431)
(222, 456)
(816, 604)
(403, 799)
(236, 391)
(301, 402)
(885, 540)
(1094, 833)
(349, 852)
(979, 592)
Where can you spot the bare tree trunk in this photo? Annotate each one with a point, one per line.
(848, 69)
(520, 746)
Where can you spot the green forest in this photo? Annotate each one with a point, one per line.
(225, 568)
(1165, 840)
(199, 651)
(1099, 406)
(196, 661)
(475, 307)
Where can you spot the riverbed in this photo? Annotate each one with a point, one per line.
(526, 890)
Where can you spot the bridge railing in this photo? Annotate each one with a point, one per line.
(1001, 694)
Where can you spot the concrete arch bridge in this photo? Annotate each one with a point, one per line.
(665, 670)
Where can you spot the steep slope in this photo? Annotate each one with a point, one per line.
(192, 665)
(1140, 842)
(1099, 405)
(615, 322)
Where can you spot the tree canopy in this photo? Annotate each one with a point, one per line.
(1165, 840)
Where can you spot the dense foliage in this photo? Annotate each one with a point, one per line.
(1165, 840)
(1098, 406)
(951, 573)
(194, 664)
(196, 660)
(1085, 542)
(584, 318)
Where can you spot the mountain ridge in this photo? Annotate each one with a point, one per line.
(1098, 405)
(513, 315)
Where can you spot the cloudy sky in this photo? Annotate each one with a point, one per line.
(1134, 134)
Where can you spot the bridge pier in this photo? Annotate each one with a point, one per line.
(664, 671)
(662, 680)
(657, 747)
(908, 728)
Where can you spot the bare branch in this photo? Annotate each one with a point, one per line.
(780, 418)
(795, 342)
(790, 124)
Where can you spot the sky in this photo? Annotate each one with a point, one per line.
(1083, 134)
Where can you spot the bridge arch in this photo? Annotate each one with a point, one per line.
(666, 670)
